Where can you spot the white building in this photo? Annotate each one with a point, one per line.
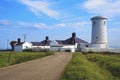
(20, 46)
(41, 46)
(99, 32)
(71, 44)
(98, 40)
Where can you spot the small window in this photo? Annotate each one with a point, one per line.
(86, 45)
(94, 23)
(104, 22)
(26, 47)
(96, 37)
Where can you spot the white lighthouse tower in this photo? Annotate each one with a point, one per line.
(99, 32)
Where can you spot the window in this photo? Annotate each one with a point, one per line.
(94, 23)
(86, 45)
(26, 47)
(104, 23)
(96, 37)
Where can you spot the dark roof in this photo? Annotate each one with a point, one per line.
(71, 40)
(42, 43)
(60, 41)
(36, 43)
(20, 43)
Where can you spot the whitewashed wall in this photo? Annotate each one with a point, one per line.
(101, 50)
(26, 45)
(18, 48)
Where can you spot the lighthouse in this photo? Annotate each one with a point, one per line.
(99, 32)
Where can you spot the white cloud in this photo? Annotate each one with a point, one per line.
(39, 25)
(114, 30)
(38, 6)
(5, 22)
(22, 24)
(72, 25)
(75, 25)
(103, 7)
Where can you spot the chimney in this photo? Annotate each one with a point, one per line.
(46, 40)
(73, 35)
(73, 38)
(19, 41)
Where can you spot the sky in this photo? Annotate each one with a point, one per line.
(56, 19)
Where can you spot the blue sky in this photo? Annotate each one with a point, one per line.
(56, 19)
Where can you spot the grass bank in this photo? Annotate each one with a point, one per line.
(110, 62)
(10, 58)
(82, 68)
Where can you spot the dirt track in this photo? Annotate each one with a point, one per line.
(48, 68)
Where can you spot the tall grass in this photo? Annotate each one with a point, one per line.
(80, 68)
(109, 62)
(20, 57)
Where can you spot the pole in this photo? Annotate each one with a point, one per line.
(24, 37)
(9, 57)
(7, 43)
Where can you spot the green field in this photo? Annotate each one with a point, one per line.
(95, 66)
(10, 58)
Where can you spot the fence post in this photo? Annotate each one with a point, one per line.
(9, 58)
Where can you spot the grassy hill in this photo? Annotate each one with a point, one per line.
(94, 66)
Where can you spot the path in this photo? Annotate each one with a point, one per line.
(48, 68)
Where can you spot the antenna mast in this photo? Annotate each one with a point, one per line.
(24, 37)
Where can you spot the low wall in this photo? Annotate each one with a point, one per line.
(117, 50)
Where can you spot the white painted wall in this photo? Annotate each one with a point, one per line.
(98, 46)
(53, 43)
(63, 48)
(68, 47)
(57, 48)
(101, 50)
(18, 48)
(99, 31)
(41, 47)
(26, 45)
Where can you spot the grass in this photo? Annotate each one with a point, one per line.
(109, 62)
(10, 58)
(83, 67)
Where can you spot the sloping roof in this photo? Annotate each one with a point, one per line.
(71, 41)
(36, 43)
(42, 43)
(60, 41)
(19, 43)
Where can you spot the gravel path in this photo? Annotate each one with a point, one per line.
(48, 68)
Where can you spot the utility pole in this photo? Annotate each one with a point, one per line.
(24, 37)
(7, 43)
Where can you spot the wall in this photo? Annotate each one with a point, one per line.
(98, 46)
(26, 45)
(99, 32)
(41, 47)
(18, 48)
(101, 50)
